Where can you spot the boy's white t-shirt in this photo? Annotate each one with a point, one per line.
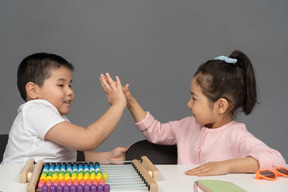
(26, 137)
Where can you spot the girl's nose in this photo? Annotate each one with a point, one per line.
(189, 103)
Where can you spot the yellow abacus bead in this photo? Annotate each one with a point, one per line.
(49, 177)
(93, 174)
(99, 175)
(86, 177)
(60, 178)
(74, 177)
(105, 175)
(92, 177)
(80, 174)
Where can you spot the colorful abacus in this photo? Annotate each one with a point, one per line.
(72, 177)
(88, 177)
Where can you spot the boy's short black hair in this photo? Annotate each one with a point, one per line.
(36, 68)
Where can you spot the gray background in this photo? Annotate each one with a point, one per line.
(156, 46)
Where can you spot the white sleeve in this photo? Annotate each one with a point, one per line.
(40, 116)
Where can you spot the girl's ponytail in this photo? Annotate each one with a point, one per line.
(244, 64)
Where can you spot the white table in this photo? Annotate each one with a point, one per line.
(173, 179)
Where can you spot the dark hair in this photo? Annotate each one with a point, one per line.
(36, 68)
(234, 82)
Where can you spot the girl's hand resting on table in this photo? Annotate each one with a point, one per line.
(242, 165)
(209, 169)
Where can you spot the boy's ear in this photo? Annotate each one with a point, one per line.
(31, 90)
(222, 105)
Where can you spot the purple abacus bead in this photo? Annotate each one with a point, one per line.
(53, 188)
(100, 188)
(73, 188)
(59, 188)
(86, 188)
(80, 188)
(93, 188)
(106, 188)
(66, 188)
(44, 188)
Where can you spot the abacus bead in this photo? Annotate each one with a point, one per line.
(69, 182)
(100, 188)
(106, 188)
(105, 175)
(41, 183)
(59, 188)
(56, 182)
(53, 188)
(45, 188)
(93, 188)
(66, 188)
(102, 181)
(89, 182)
(48, 183)
(80, 188)
(73, 188)
(82, 182)
(86, 188)
(95, 181)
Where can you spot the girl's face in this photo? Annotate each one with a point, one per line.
(202, 109)
(57, 89)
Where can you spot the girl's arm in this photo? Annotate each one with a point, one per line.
(86, 139)
(243, 165)
(134, 107)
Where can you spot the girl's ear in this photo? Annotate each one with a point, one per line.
(222, 105)
(31, 90)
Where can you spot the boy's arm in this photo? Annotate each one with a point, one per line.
(84, 139)
(137, 112)
(117, 154)
(243, 165)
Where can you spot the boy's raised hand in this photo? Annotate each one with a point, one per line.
(112, 89)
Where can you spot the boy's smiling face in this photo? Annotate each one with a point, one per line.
(57, 89)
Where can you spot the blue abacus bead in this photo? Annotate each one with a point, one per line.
(86, 188)
(80, 188)
(53, 188)
(59, 188)
(106, 188)
(66, 188)
(73, 188)
(93, 188)
(100, 188)
(44, 188)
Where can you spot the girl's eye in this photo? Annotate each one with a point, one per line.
(60, 85)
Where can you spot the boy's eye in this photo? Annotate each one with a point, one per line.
(60, 85)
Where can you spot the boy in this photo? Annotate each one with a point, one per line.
(41, 129)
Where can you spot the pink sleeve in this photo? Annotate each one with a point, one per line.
(156, 132)
(248, 145)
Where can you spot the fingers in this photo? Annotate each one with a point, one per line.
(108, 83)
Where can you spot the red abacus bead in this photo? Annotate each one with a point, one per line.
(95, 181)
(63, 182)
(89, 182)
(69, 182)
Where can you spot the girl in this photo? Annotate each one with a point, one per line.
(211, 136)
